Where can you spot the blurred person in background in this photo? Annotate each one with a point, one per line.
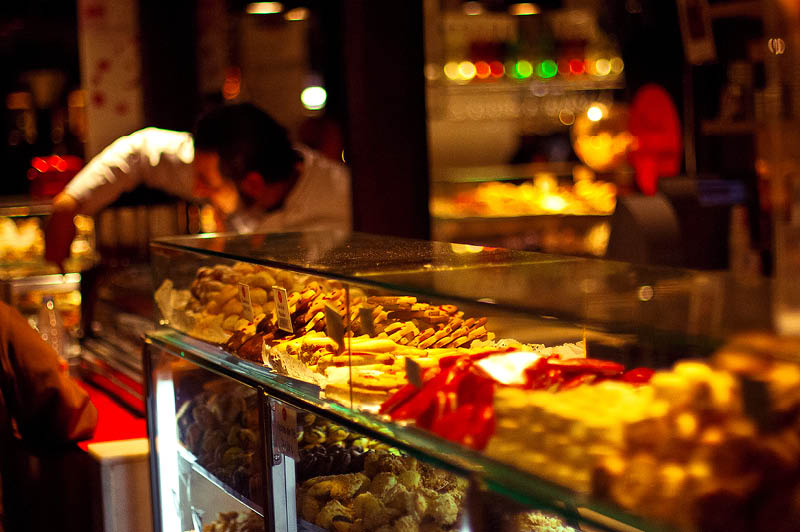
(239, 160)
(41, 407)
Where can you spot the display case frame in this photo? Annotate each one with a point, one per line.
(428, 270)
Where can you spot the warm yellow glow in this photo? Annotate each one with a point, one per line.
(314, 98)
(473, 8)
(466, 70)
(554, 203)
(451, 71)
(616, 65)
(524, 8)
(298, 13)
(264, 8)
(595, 113)
(465, 248)
(602, 67)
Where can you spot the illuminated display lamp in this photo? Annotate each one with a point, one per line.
(524, 8)
(547, 69)
(296, 14)
(482, 70)
(314, 98)
(576, 67)
(264, 8)
(523, 69)
(497, 68)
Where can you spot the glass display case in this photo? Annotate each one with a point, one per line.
(50, 300)
(352, 382)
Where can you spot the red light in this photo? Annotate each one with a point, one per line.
(58, 164)
(576, 67)
(482, 70)
(497, 69)
(40, 164)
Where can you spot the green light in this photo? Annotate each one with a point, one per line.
(547, 69)
(523, 69)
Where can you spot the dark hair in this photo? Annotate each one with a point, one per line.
(247, 139)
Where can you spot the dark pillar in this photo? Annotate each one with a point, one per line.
(386, 136)
(169, 79)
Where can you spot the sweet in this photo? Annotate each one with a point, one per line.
(220, 427)
(236, 522)
(392, 493)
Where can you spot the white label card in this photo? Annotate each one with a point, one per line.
(247, 303)
(335, 326)
(282, 314)
(413, 372)
(284, 430)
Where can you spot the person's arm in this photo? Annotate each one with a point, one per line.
(48, 406)
(159, 158)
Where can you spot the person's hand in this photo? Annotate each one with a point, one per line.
(60, 230)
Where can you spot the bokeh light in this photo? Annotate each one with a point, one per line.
(523, 69)
(524, 8)
(547, 69)
(482, 70)
(466, 70)
(314, 98)
(264, 8)
(602, 67)
(451, 71)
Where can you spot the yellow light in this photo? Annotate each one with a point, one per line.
(313, 98)
(473, 8)
(451, 71)
(602, 67)
(524, 8)
(466, 70)
(616, 65)
(298, 13)
(264, 8)
(466, 248)
(554, 203)
(595, 113)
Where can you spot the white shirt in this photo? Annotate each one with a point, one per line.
(162, 159)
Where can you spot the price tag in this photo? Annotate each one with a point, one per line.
(335, 326)
(413, 372)
(284, 430)
(367, 320)
(247, 303)
(284, 317)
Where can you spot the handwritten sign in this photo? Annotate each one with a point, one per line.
(284, 317)
(247, 303)
(284, 430)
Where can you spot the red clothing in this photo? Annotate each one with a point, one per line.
(35, 391)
